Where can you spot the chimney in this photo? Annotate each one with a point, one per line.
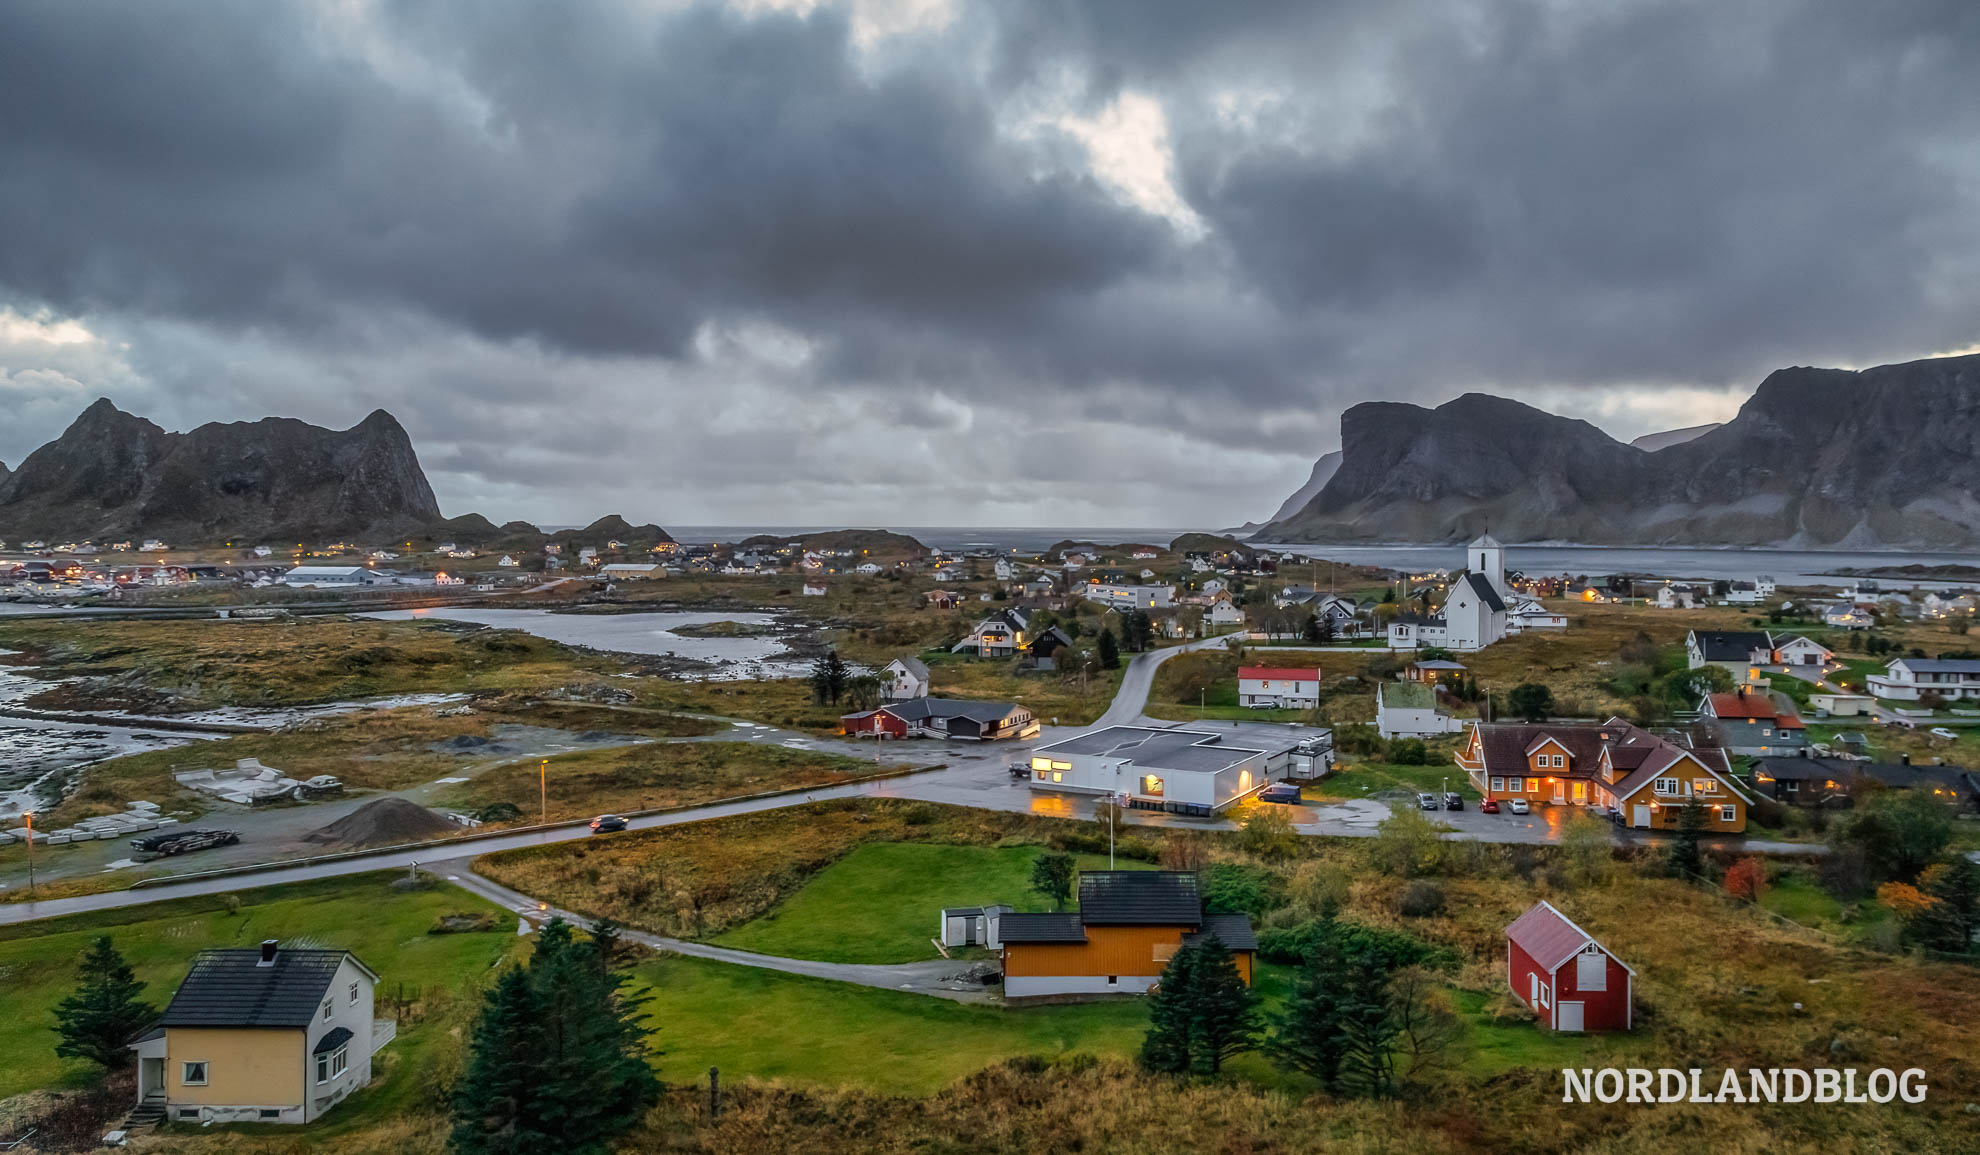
(1905, 758)
(268, 946)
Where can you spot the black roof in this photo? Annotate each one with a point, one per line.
(1140, 898)
(230, 988)
(1233, 930)
(1040, 928)
(1483, 588)
(331, 1041)
(1731, 645)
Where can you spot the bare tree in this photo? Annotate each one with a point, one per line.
(1428, 1027)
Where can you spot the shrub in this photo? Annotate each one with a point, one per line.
(1394, 949)
(1233, 888)
(1420, 899)
(1747, 878)
(1269, 834)
(498, 812)
(1409, 752)
(1405, 843)
(919, 814)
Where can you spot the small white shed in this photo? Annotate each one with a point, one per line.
(972, 926)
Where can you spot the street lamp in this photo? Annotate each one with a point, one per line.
(543, 790)
(29, 816)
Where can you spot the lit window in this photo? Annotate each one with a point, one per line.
(1707, 786)
(193, 1074)
(1058, 776)
(1151, 786)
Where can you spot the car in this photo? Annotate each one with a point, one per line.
(1901, 723)
(1946, 732)
(1287, 792)
(608, 823)
(1453, 800)
(1517, 806)
(1426, 801)
(1489, 806)
(1020, 769)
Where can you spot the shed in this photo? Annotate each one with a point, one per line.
(972, 925)
(1593, 994)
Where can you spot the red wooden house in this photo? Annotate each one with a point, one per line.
(1571, 981)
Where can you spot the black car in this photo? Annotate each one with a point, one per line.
(607, 823)
(1453, 800)
(1020, 769)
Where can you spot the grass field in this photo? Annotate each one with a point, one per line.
(880, 903)
(387, 929)
(768, 1025)
(589, 782)
(1359, 779)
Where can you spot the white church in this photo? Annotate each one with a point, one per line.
(1479, 609)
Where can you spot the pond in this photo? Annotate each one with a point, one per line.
(738, 657)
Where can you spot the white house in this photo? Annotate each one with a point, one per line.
(262, 551)
(508, 562)
(1473, 615)
(1848, 616)
(1182, 771)
(1213, 587)
(1274, 687)
(1906, 679)
(1524, 613)
(998, 636)
(1742, 594)
(1410, 710)
(1004, 570)
(318, 576)
(1225, 614)
(633, 571)
(1800, 651)
(869, 568)
(905, 678)
(1129, 597)
(151, 545)
(1765, 585)
(814, 590)
(1672, 596)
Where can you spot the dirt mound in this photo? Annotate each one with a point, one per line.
(382, 823)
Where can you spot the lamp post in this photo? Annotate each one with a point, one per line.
(543, 790)
(29, 816)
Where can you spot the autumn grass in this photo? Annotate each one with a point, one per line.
(1355, 778)
(654, 776)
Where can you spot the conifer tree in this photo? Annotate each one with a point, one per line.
(104, 1014)
(1685, 859)
(1171, 1013)
(1225, 1015)
(1110, 651)
(495, 1101)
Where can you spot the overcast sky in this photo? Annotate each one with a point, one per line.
(922, 262)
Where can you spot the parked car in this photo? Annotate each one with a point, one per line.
(1020, 769)
(608, 823)
(1426, 801)
(1901, 723)
(1946, 732)
(1453, 800)
(1489, 806)
(1518, 806)
(171, 842)
(1287, 792)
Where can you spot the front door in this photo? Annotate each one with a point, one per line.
(1560, 792)
(151, 1078)
(1570, 1017)
(1581, 794)
(1640, 817)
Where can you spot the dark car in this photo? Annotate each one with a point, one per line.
(1453, 800)
(1020, 769)
(607, 823)
(1280, 792)
(1426, 801)
(1489, 806)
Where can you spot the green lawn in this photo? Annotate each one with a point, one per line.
(770, 1025)
(387, 929)
(1377, 777)
(882, 903)
(1794, 895)
(1492, 1047)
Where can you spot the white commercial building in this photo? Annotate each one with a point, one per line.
(1130, 597)
(328, 575)
(1184, 771)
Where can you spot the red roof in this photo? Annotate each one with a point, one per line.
(1274, 673)
(1737, 705)
(1547, 937)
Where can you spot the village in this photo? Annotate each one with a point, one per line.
(997, 785)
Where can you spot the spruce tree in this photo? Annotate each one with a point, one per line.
(495, 1100)
(1110, 651)
(1949, 922)
(104, 1014)
(1171, 1016)
(1368, 1026)
(1685, 860)
(1225, 1011)
(1309, 1036)
(596, 1082)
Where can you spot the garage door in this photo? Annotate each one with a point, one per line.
(1570, 1017)
(1641, 817)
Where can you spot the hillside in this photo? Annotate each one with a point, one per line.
(1883, 457)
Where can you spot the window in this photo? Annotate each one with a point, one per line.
(1498, 784)
(271, 1112)
(1667, 786)
(1151, 786)
(1546, 995)
(193, 1074)
(1591, 970)
(354, 994)
(332, 1065)
(1707, 785)
(328, 1004)
(1533, 786)
(189, 1112)
(1729, 814)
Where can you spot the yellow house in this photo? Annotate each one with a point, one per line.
(261, 1035)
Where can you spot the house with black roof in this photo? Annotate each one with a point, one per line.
(947, 718)
(267, 1034)
(1128, 925)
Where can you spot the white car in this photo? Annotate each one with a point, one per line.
(1518, 806)
(1946, 732)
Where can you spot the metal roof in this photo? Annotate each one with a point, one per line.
(231, 988)
(1550, 938)
(1153, 749)
(1482, 586)
(1233, 930)
(1023, 928)
(331, 1041)
(1277, 673)
(1140, 898)
(1731, 645)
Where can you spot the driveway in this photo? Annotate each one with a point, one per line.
(938, 978)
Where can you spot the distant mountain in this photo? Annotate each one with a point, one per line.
(1883, 457)
(1323, 472)
(1652, 442)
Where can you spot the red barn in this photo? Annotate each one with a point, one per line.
(875, 722)
(1571, 981)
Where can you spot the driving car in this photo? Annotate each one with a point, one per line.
(1517, 806)
(1489, 806)
(1453, 800)
(1946, 732)
(1426, 801)
(608, 823)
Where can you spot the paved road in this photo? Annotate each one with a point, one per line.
(936, 977)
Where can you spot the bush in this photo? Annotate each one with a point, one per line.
(1394, 949)
(1269, 834)
(1409, 752)
(1420, 899)
(498, 812)
(1747, 878)
(919, 814)
(1233, 888)
(1405, 844)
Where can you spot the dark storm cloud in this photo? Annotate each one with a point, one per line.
(812, 246)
